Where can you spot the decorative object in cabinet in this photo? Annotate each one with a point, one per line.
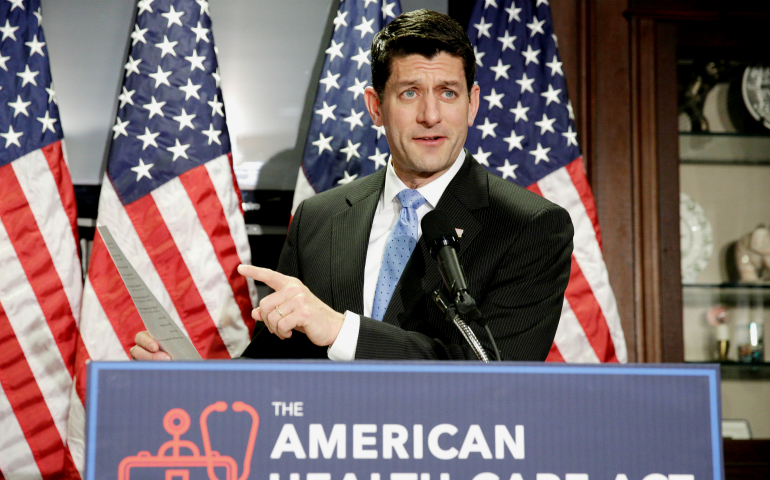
(748, 258)
(756, 94)
(697, 241)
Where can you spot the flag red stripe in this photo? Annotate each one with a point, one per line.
(29, 406)
(169, 264)
(113, 295)
(61, 174)
(235, 184)
(588, 312)
(80, 370)
(554, 355)
(203, 195)
(578, 176)
(37, 263)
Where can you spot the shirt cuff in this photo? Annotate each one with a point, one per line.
(344, 347)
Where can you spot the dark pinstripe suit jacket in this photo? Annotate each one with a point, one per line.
(515, 251)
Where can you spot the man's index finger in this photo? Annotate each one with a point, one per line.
(271, 278)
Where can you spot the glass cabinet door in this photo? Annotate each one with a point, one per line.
(724, 149)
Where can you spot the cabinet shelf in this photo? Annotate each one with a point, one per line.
(728, 286)
(742, 371)
(724, 148)
(729, 294)
(725, 134)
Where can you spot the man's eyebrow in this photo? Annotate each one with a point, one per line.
(443, 83)
(406, 83)
(450, 83)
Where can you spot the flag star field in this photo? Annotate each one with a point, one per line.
(342, 142)
(524, 129)
(171, 116)
(29, 114)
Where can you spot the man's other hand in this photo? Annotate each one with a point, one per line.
(293, 307)
(147, 348)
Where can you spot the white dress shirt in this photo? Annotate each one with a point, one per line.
(385, 216)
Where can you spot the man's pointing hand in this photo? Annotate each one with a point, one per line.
(293, 307)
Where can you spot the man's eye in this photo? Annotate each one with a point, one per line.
(449, 94)
(409, 94)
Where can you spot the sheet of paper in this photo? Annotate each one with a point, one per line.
(156, 319)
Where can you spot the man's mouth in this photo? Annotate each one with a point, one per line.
(430, 138)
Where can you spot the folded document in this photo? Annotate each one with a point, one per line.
(156, 319)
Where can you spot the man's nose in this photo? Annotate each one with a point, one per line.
(430, 111)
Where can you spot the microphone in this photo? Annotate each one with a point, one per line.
(441, 238)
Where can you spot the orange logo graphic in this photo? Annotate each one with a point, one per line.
(177, 422)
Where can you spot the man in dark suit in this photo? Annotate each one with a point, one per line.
(355, 248)
(515, 252)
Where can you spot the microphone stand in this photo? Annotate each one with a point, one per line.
(450, 311)
(440, 236)
(466, 306)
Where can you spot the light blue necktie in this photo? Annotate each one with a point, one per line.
(398, 249)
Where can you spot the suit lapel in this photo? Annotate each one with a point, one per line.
(350, 241)
(468, 191)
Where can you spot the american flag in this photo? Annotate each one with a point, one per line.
(40, 276)
(525, 132)
(342, 142)
(169, 195)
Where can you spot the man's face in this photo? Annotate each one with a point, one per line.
(426, 111)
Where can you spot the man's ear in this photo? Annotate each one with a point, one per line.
(374, 106)
(473, 107)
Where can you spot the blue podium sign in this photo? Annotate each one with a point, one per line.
(238, 420)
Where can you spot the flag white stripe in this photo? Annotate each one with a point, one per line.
(97, 333)
(112, 214)
(40, 189)
(558, 188)
(198, 253)
(35, 338)
(16, 459)
(222, 178)
(76, 426)
(571, 340)
(302, 191)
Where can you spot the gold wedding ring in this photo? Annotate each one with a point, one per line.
(279, 312)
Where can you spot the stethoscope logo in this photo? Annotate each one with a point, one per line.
(176, 422)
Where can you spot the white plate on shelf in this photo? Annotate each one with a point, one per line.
(697, 240)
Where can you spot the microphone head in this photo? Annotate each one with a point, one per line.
(438, 232)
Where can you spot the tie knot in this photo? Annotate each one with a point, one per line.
(410, 198)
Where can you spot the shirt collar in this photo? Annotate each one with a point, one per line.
(432, 191)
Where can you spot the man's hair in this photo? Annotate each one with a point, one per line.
(422, 32)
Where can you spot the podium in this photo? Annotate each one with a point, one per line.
(273, 420)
